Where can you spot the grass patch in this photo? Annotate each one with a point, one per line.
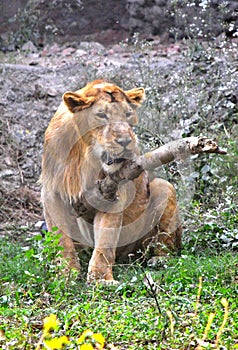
(170, 313)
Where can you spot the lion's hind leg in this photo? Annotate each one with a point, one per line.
(166, 234)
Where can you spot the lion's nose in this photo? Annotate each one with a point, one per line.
(124, 142)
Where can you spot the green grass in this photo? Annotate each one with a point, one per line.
(130, 315)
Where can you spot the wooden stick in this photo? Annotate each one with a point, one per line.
(175, 150)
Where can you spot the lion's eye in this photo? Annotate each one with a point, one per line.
(129, 114)
(102, 115)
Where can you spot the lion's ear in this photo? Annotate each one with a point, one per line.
(76, 102)
(136, 96)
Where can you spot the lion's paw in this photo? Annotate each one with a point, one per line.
(108, 282)
(102, 281)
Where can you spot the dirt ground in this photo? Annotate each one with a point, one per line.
(32, 83)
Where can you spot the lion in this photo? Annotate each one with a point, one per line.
(90, 136)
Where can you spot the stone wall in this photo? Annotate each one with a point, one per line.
(8, 9)
(110, 21)
(182, 18)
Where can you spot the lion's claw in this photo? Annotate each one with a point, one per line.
(103, 282)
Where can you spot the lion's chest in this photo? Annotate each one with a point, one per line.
(140, 200)
(133, 199)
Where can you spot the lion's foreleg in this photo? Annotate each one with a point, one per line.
(107, 228)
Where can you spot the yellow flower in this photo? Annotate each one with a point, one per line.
(94, 338)
(99, 339)
(86, 347)
(56, 343)
(50, 323)
(84, 335)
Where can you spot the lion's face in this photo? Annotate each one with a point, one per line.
(109, 113)
(113, 139)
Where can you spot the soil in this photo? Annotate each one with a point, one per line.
(32, 84)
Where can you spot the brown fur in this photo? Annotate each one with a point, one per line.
(90, 135)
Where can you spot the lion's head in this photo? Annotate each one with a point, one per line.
(92, 130)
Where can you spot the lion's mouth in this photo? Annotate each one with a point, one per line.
(109, 160)
(115, 161)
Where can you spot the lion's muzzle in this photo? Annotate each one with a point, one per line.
(124, 141)
(109, 159)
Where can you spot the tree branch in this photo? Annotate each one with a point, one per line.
(175, 150)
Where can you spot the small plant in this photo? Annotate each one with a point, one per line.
(203, 343)
(45, 254)
(51, 249)
(192, 320)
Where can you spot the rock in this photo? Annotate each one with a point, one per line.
(173, 50)
(39, 224)
(33, 63)
(52, 92)
(34, 59)
(117, 48)
(68, 51)
(7, 172)
(92, 46)
(8, 161)
(50, 50)
(29, 47)
(11, 47)
(80, 53)
(11, 96)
